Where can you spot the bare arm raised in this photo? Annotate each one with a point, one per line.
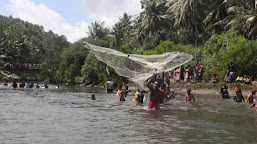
(149, 82)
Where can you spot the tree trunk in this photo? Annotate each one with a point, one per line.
(195, 25)
(255, 4)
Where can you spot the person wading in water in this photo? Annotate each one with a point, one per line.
(156, 95)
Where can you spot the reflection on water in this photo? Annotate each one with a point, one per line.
(68, 115)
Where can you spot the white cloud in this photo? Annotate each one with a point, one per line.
(110, 10)
(51, 20)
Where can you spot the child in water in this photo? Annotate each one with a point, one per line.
(239, 97)
(120, 93)
(189, 96)
(140, 96)
(237, 88)
(250, 97)
(126, 91)
(224, 92)
(254, 105)
(6, 84)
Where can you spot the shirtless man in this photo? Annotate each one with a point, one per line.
(166, 88)
(169, 93)
(156, 95)
(189, 96)
(120, 93)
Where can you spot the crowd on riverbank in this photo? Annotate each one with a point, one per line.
(194, 74)
(25, 85)
(21, 66)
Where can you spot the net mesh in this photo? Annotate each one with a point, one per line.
(138, 68)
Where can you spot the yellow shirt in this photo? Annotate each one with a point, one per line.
(250, 98)
(135, 97)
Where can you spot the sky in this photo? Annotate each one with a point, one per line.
(70, 18)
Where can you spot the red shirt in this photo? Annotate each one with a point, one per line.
(238, 89)
(21, 85)
(216, 79)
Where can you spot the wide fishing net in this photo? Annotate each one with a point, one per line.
(138, 68)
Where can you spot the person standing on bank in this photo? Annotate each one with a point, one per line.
(109, 86)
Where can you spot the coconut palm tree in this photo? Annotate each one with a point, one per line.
(126, 20)
(152, 20)
(97, 30)
(235, 14)
(118, 32)
(190, 14)
(125, 24)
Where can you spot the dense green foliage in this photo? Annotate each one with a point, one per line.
(70, 64)
(222, 49)
(22, 42)
(215, 32)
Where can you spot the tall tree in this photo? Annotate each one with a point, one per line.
(190, 14)
(118, 32)
(122, 29)
(98, 30)
(152, 20)
(235, 14)
(126, 20)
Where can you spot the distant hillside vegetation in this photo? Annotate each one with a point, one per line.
(23, 42)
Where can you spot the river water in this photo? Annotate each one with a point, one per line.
(69, 116)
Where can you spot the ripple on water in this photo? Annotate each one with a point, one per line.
(70, 116)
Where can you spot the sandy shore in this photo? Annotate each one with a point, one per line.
(204, 91)
(200, 91)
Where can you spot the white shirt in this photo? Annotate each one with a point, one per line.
(110, 85)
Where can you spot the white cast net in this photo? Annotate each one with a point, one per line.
(138, 68)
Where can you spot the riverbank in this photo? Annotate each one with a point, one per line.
(202, 88)
(197, 88)
(213, 89)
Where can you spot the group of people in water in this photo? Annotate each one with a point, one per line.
(160, 91)
(239, 96)
(25, 85)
